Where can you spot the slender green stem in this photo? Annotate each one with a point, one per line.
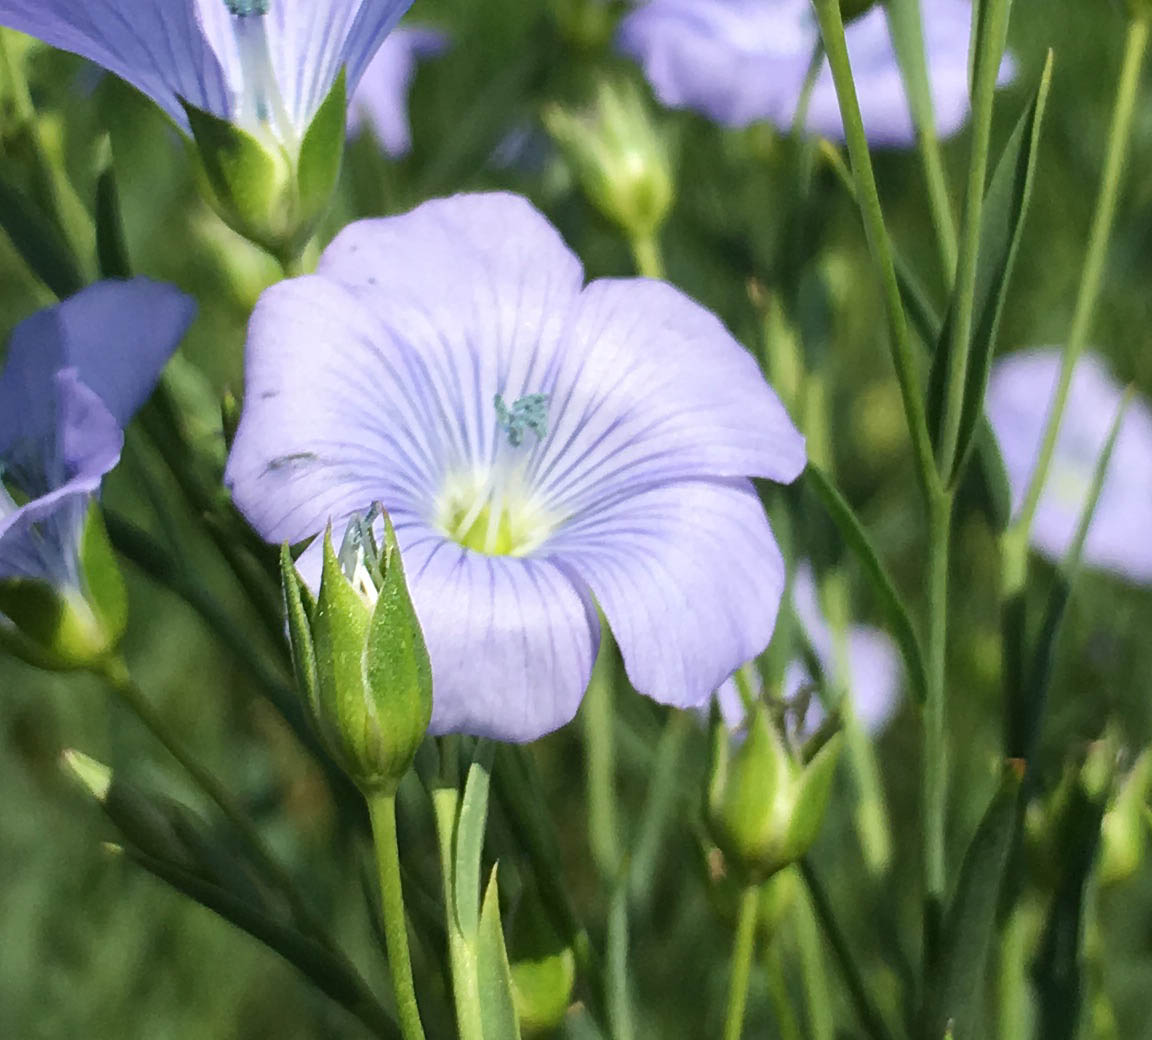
(116, 674)
(903, 352)
(648, 256)
(461, 956)
(743, 949)
(914, 69)
(600, 750)
(786, 1021)
(934, 763)
(1090, 281)
(994, 16)
(814, 975)
(870, 1018)
(382, 809)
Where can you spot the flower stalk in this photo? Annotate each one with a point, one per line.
(743, 949)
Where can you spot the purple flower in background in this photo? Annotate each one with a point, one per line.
(265, 65)
(739, 62)
(873, 662)
(75, 375)
(1020, 392)
(542, 446)
(381, 100)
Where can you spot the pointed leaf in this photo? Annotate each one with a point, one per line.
(111, 247)
(299, 630)
(895, 612)
(493, 973)
(38, 242)
(970, 927)
(321, 154)
(470, 839)
(104, 583)
(811, 801)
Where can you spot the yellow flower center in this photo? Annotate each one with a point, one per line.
(493, 513)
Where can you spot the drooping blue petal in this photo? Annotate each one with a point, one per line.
(381, 100)
(117, 335)
(511, 641)
(689, 578)
(39, 538)
(1020, 393)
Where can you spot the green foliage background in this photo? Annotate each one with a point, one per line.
(89, 946)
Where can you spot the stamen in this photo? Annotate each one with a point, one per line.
(529, 412)
(260, 101)
(246, 8)
(359, 556)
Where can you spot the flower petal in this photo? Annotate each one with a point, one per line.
(336, 415)
(39, 538)
(689, 577)
(653, 388)
(156, 45)
(117, 335)
(381, 100)
(1020, 393)
(512, 641)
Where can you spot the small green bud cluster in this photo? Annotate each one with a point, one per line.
(765, 807)
(619, 155)
(360, 656)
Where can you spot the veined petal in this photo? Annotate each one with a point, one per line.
(653, 388)
(512, 641)
(309, 42)
(689, 577)
(117, 335)
(156, 45)
(38, 538)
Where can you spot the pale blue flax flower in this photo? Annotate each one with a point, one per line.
(381, 101)
(739, 62)
(542, 446)
(74, 376)
(1020, 393)
(872, 661)
(264, 65)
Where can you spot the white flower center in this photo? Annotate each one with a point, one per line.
(494, 511)
(260, 102)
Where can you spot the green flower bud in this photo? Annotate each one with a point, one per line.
(68, 627)
(850, 9)
(270, 194)
(619, 155)
(764, 807)
(1122, 832)
(360, 657)
(543, 969)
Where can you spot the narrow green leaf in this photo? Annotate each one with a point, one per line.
(111, 246)
(321, 154)
(470, 829)
(1005, 212)
(953, 997)
(494, 975)
(893, 607)
(299, 630)
(38, 242)
(322, 968)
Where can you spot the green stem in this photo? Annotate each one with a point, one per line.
(742, 950)
(1090, 281)
(903, 352)
(382, 809)
(817, 995)
(994, 16)
(445, 807)
(914, 69)
(116, 674)
(935, 754)
(786, 1021)
(600, 749)
(648, 256)
(870, 1018)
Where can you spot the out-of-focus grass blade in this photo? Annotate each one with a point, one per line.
(470, 839)
(893, 607)
(1005, 213)
(111, 247)
(953, 997)
(619, 997)
(38, 242)
(493, 973)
